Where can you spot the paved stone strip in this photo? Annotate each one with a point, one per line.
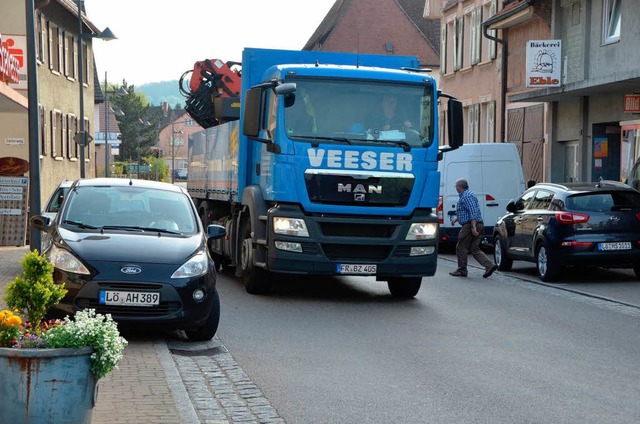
(220, 390)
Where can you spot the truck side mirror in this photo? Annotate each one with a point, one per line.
(252, 112)
(454, 123)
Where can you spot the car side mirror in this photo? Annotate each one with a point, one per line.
(40, 222)
(511, 206)
(216, 231)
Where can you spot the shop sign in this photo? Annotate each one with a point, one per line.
(632, 103)
(543, 63)
(11, 166)
(9, 64)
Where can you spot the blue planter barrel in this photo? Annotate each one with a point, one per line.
(46, 386)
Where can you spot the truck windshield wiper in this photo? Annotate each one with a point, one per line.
(80, 224)
(315, 144)
(405, 146)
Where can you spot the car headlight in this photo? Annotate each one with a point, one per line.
(422, 231)
(66, 261)
(194, 267)
(290, 226)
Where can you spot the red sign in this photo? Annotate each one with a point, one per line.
(13, 166)
(9, 64)
(632, 103)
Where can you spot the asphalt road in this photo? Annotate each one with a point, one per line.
(466, 350)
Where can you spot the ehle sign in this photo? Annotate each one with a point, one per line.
(632, 103)
(543, 63)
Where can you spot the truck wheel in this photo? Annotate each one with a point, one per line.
(404, 287)
(256, 280)
(548, 268)
(500, 255)
(209, 329)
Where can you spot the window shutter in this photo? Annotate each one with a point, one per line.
(473, 35)
(491, 122)
(493, 32)
(53, 133)
(443, 49)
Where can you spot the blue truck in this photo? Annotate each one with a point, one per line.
(302, 165)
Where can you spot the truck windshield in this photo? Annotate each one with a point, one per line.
(360, 112)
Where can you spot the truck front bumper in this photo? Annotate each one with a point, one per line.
(362, 240)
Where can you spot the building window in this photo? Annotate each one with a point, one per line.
(85, 64)
(488, 50)
(611, 21)
(70, 124)
(70, 56)
(489, 112)
(55, 48)
(475, 35)
(571, 161)
(458, 44)
(57, 134)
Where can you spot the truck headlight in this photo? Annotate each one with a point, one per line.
(422, 231)
(290, 226)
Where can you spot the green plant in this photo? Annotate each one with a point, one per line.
(97, 331)
(34, 292)
(31, 295)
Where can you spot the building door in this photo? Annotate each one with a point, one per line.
(605, 148)
(525, 129)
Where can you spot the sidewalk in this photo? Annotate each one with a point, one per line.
(163, 379)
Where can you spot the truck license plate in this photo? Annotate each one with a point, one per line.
(623, 245)
(357, 269)
(128, 298)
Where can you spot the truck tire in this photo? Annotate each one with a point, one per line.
(256, 280)
(406, 287)
(209, 329)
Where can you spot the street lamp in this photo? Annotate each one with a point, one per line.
(173, 151)
(106, 35)
(121, 92)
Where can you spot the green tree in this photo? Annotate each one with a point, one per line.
(138, 137)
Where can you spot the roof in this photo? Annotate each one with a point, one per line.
(429, 29)
(113, 123)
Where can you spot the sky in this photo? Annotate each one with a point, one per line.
(160, 40)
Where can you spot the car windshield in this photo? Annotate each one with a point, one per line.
(360, 112)
(129, 208)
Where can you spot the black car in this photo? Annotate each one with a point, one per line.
(572, 224)
(137, 250)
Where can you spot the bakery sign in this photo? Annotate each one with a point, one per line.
(543, 63)
(632, 103)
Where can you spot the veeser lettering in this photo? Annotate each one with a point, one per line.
(353, 159)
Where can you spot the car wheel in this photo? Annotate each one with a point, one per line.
(209, 329)
(256, 280)
(548, 268)
(404, 287)
(500, 255)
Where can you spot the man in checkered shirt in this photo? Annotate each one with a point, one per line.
(469, 216)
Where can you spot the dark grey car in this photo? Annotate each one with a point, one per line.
(571, 224)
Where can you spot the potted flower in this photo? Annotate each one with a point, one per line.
(49, 369)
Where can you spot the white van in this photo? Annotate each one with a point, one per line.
(494, 173)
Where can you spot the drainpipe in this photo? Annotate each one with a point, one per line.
(503, 77)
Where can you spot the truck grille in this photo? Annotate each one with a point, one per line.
(356, 251)
(337, 229)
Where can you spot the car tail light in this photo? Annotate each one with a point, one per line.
(571, 218)
(440, 210)
(577, 244)
(638, 215)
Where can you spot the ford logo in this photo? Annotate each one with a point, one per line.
(131, 270)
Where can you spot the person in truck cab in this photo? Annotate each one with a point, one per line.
(387, 117)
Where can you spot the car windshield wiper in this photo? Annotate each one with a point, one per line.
(80, 224)
(137, 228)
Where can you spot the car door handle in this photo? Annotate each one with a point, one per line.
(540, 219)
(493, 204)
